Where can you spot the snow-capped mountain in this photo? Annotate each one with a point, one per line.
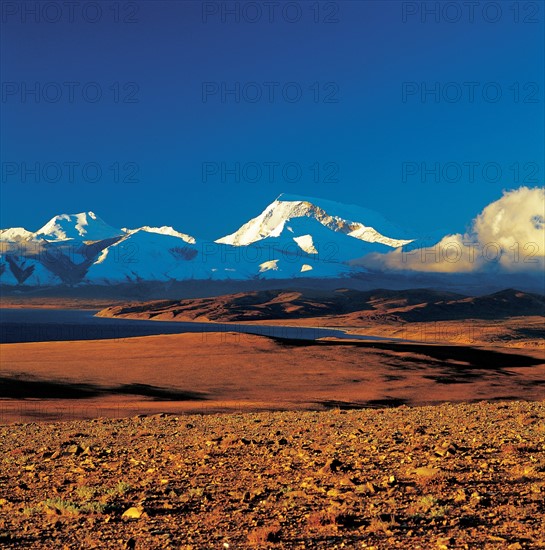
(86, 226)
(15, 234)
(164, 230)
(292, 237)
(141, 255)
(291, 215)
(18, 269)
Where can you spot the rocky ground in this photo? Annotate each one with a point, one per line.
(448, 476)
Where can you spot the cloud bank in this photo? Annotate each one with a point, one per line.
(507, 236)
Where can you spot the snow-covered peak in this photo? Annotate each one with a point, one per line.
(15, 234)
(163, 230)
(354, 221)
(85, 226)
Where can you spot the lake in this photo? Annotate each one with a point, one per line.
(44, 325)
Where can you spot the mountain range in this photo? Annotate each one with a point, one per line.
(293, 237)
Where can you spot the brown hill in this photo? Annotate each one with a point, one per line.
(415, 305)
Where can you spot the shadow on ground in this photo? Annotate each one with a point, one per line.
(18, 388)
(472, 357)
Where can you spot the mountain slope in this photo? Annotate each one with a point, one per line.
(15, 234)
(85, 226)
(140, 255)
(418, 305)
(281, 214)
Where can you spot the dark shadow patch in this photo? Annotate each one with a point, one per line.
(470, 521)
(20, 541)
(386, 402)
(343, 405)
(18, 388)
(530, 333)
(162, 394)
(445, 379)
(531, 383)
(474, 357)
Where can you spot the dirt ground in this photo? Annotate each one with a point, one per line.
(449, 476)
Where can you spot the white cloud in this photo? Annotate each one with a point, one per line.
(508, 235)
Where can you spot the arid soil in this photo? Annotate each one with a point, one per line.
(450, 476)
(214, 372)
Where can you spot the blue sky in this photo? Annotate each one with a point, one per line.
(347, 121)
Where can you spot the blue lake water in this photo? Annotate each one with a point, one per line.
(44, 325)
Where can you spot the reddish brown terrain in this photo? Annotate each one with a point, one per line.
(450, 476)
(507, 318)
(435, 443)
(407, 305)
(211, 372)
(462, 349)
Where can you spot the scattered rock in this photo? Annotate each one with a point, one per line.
(132, 513)
(444, 543)
(265, 534)
(446, 449)
(172, 489)
(74, 450)
(426, 471)
(332, 465)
